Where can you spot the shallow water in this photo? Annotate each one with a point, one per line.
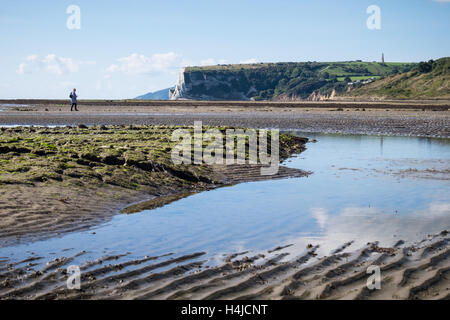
(13, 105)
(363, 188)
(5, 106)
(29, 125)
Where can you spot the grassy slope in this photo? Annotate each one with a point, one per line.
(289, 79)
(333, 68)
(411, 85)
(374, 68)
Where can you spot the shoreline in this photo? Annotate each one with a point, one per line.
(352, 103)
(340, 118)
(51, 184)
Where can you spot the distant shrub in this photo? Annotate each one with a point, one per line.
(425, 67)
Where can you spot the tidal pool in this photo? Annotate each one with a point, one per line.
(363, 188)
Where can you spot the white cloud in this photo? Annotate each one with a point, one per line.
(363, 225)
(51, 63)
(141, 64)
(136, 63)
(441, 1)
(22, 69)
(321, 216)
(248, 61)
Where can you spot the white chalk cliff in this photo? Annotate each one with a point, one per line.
(177, 92)
(197, 85)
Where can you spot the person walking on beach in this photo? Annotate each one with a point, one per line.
(73, 96)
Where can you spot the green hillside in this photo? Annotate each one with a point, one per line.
(288, 80)
(428, 80)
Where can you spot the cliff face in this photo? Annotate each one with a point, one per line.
(275, 81)
(177, 92)
(197, 85)
(317, 96)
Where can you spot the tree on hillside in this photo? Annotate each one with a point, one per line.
(425, 67)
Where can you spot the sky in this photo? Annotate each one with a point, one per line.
(122, 49)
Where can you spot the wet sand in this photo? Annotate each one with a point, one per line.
(409, 270)
(419, 270)
(59, 180)
(405, 119)
(30, 213)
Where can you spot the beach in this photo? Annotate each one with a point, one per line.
(63, 175)
(430, 119)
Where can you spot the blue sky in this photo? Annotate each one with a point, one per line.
(127, 48)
